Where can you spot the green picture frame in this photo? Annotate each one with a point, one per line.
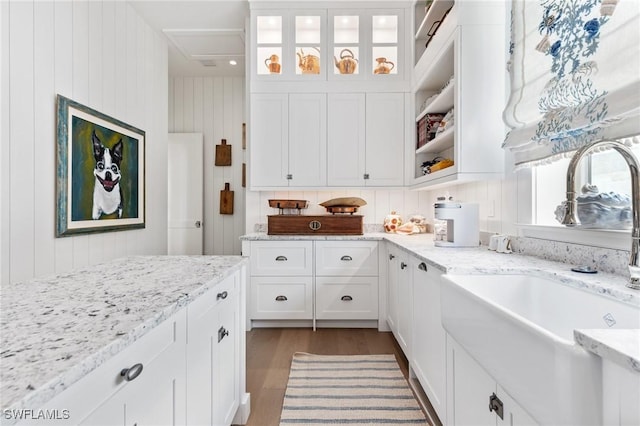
(100, 167)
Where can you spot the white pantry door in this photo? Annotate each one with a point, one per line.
(185, 169)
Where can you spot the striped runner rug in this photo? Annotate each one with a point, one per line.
(350, 389)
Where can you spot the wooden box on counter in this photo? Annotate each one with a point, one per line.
(314, 225)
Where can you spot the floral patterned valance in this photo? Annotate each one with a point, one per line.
(575, 75)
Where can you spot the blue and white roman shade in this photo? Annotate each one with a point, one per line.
(575, 76)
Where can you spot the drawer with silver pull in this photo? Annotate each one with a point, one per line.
(281, 298)
(281, 258)
(347, 298)
(340, 258)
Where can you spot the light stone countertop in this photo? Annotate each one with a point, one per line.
(617, 345)
(57, 329)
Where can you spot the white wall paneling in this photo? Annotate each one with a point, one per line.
(103, 55)
(214, 106)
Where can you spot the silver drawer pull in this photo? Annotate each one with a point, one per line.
(422, 266)
(346, 258)
(281, 259)
(346, 298)
(132, 372)
(222, 295)
(281, 298)
(222, 333)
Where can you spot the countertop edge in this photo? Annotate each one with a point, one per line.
(41, 395)
(613, 345)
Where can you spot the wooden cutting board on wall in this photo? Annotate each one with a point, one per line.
(226, 200)
(223, 154)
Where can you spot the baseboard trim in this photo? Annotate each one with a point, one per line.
(244, 410)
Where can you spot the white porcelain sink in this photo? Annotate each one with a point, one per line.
(520, 329)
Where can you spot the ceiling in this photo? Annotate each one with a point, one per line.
(204, 35)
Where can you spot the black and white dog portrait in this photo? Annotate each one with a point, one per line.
(107, 194)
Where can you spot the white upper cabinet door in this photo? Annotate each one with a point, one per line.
(269, 140)
(346, 139)
(385, 139)
(307, 139)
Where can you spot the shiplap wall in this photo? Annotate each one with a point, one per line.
(103, 55)
(214, 106)
(493, 197)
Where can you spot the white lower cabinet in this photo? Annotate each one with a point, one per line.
(399, 303)
(620, 394)
(186, 371)
(347, 298)
(312, 280)
(471, 391)
(144, 384)
(405, 305)
(213, 370)
(428, 360)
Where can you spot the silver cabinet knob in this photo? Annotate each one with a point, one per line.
(132, 372)
(198, 224)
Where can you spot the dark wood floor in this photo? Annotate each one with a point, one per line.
(269, 352)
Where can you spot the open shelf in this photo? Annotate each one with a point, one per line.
(438, 144)
(442, 103)
(435, 13)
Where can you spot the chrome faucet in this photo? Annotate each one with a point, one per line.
(571, 206)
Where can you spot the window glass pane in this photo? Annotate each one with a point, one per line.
(307, 29)
(549, 191)
(269, 29)
(385, 29)
(609, 171)
(346, 29)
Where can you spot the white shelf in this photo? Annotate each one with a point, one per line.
(442, 103)
(435, 13)
(438, 144)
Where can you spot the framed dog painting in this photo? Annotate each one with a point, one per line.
(100, 172)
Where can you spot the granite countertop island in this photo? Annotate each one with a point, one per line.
(57, 329)
(617, 345)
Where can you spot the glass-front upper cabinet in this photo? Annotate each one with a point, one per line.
(345, 38)
(385, 58)
(308, 32)
(269, 44)
(328, 44)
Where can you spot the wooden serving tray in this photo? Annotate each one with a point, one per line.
(314, 225)
(289, 204)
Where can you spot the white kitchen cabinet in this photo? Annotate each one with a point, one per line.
(346, 298)
(281, 283)
(620, 394)
(293, 281)
(269, 135)
(366, 139)
(461, 69)
(428, 360)
(154, 396)
(346, 285)
(192, 368)
(405, 305)
(213, 346)
(470, 390)
(288, 140)
(393, 270)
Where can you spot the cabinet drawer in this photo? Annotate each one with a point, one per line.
(166, 341)
(281, 258)
(334, 258)
(347, 298)
(223, 292)
(281, 298)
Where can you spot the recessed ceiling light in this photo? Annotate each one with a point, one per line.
(233, 62)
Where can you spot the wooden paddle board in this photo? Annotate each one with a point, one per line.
(223, 154)
(226, 200)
